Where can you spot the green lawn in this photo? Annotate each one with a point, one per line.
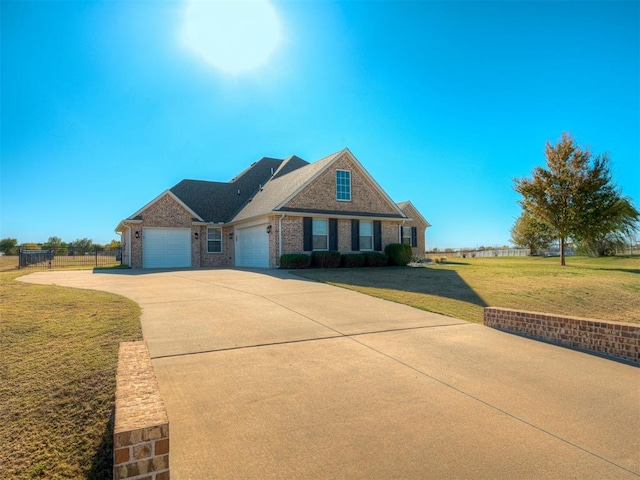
(599, 288)
(57, 377)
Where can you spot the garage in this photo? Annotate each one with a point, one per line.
(166, 247)
(252, 247)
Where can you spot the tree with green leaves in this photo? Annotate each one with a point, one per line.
(574, 196)
(611, 233)
(9, 246)
(56, 243)
(113, 244)
(527, 232)
(81, 246)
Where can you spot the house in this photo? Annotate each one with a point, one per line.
(272, 208)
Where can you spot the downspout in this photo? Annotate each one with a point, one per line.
(129, 246)
(280, 237)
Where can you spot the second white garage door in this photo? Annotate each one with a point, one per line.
(166, 247)
(252, 247)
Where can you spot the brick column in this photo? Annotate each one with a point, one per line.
(141, 430)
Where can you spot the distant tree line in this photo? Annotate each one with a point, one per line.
(80, 246)
(574, 199)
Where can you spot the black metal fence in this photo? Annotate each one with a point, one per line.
(69, 258)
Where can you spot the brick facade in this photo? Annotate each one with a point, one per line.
(141, 428)
(292, 238)
(200, 256)
(168, 213)
(614, 339)
(321, 193)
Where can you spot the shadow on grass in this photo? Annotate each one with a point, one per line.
(626, 270)
(102, 465)
(427, 281)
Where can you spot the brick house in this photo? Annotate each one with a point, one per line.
(272, 208)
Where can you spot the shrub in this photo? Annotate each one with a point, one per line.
(399, 253)
(295, 260)
(353, 260)
(329, 259)
(375, 259)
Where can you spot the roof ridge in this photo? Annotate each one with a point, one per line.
(250, 167)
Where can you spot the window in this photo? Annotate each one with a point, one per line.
(214, 240)
(406, 235)
(343, 185)
(320, 234)
(366, 235)
(409, 236)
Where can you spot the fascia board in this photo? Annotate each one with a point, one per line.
(338, 215)
(253, 218)
(121, 226)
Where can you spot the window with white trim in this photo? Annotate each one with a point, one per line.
(320, 232)
(407, 236)
(214, 240)
(343, 185)
(366, 235)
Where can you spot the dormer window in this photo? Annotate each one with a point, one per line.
(343, 185)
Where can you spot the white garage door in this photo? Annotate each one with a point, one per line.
(166, 247)
(252, 247)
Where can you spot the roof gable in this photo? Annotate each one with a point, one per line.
(412, 212)
(169, 193)
(318, 191)
(294, 192)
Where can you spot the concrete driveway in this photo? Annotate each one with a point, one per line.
(269, 376)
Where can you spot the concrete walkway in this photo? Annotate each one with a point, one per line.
(269, 376)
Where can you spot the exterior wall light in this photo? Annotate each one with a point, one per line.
(137, 234)
(196, 235)
(269, 229)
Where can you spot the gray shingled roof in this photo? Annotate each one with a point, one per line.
(278, 189)
(220, 201)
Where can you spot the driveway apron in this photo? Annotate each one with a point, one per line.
(269, 376)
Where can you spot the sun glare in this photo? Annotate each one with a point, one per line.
(233, 36)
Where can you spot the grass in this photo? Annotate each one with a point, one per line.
(8, 262)
(57, 377)
(598, 288)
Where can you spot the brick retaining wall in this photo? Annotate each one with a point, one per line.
(614, 339)
(141, 429)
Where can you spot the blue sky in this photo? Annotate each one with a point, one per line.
(444, 103)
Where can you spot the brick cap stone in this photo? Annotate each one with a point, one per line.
(139, 404)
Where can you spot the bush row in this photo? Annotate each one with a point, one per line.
(395, 254)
